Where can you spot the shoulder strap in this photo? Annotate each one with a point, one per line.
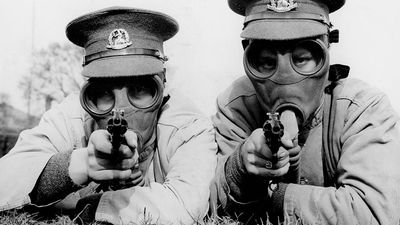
(330, 155)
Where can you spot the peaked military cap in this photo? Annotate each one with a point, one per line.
(285, 19)
(121, 41)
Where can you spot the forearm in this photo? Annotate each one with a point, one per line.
(181, 197)
(54, 183)
(242, 196)
(330, 205)
(247, 195)
(243, 187)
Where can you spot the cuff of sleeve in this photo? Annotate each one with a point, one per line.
(54, 183)
(278, 200)
(77, 168)
(234, 168)
(243, 187)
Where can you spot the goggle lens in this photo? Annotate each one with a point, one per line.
(100, 98)
(142, 93)
(306, 57)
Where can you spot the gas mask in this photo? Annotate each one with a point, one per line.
(288, 75)
(139, 97)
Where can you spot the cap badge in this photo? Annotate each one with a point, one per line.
(282, 5)
(118, 39)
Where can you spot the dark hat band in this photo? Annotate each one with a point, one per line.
(124, 52)
(291, 15)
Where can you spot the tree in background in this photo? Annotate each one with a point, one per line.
(4, 98)
(12, 121)
(4, 101)
(55, 73)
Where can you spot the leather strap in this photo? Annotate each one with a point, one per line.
(124, 52)
(289, 15)
(329, 139)
(328, 155)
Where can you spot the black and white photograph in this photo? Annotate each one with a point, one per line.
(211, 112)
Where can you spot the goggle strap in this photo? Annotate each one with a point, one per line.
(334, 36)
(338, 71)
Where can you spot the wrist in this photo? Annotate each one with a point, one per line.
(243, 186)
(292, 176)
(234, 168)
(77, 169)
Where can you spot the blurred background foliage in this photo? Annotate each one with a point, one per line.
(55, 72)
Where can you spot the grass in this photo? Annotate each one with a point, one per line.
(18, 217)
(21, 217)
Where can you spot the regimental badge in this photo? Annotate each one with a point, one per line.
(282, 5)
(118, 39)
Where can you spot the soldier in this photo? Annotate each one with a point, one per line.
(336, 159)
(160, 169)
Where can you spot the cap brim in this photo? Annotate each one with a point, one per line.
(123, 66)
(280, 29)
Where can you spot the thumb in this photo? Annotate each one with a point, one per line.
(287, 140)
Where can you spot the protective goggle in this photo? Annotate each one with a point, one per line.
(98, 96)
(306, 57)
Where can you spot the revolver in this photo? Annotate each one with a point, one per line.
(273, 131)
(117, 127)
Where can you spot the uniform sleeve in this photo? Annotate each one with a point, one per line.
(367, 181)
(183, 197)
(22, 166)
(232, 191)
(54, 183)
